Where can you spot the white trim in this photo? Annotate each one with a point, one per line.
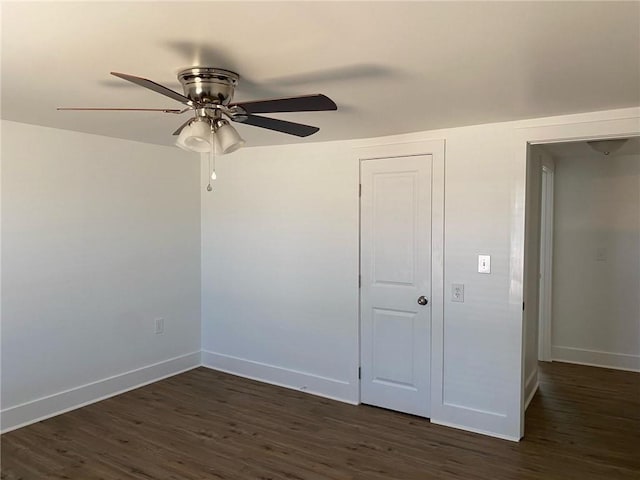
(306, 382)
(596, 358)
(546, 266)
(475, 410)
(531, 387)
(476, 430)
(40, 409)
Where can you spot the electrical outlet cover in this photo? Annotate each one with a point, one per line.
(457, 292)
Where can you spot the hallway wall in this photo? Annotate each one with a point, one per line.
(596, 306)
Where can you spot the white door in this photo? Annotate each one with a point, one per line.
(395, 268)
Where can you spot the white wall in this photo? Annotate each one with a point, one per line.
(280, 267)
(537, 159)
(532, 271)
(99, 237)
(280, 263)
(596, 305)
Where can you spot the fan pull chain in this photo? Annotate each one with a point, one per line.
(211, 172)
(213, 164)
(209, 187)
(208, 159)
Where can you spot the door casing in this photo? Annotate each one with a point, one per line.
(546, 264)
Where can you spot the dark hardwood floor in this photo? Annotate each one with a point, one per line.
(584, 423)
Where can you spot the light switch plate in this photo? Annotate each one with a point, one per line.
(484, 263)
(457, 292)
(159, 326)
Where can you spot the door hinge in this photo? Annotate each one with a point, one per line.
(359, 373)
(523, 306)
(360, 190)
(359, 281)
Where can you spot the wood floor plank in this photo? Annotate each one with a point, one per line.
(584, 423)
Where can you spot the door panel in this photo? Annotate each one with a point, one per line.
(393, 331)
(398, 228)
(395, 268)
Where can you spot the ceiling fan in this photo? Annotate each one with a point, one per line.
(208, 92)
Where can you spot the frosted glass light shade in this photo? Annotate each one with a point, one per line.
(180, 140)
(195, 137)
(199, 137)
(229, 139)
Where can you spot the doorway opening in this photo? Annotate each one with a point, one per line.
(581, 280)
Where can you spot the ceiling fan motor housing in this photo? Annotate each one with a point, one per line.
(206, 85)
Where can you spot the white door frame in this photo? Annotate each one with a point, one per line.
(546, 266)
(609, 124)
(436, 148)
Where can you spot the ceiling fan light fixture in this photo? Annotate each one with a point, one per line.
(228, 137)
(607, 146)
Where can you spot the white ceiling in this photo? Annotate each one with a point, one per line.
(392, 67)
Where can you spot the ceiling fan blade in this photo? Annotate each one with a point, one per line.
(163, 110)
(305, 103)
(177, 132)
(156, 87)
(297, 129)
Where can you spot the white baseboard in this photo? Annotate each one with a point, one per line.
(530, 387)
(596, 358)
(283, 377)
(34, 411)
(475, 430)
